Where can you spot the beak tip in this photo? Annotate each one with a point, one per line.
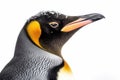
(96, 16)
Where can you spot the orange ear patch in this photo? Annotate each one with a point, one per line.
(34, 32)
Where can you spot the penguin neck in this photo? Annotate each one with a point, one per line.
(25, 48)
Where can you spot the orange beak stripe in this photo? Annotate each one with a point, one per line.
(75, 25)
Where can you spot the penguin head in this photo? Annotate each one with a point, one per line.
(50, 30)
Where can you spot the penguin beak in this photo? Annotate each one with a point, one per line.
(82, 21)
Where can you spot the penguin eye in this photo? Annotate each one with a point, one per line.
(54, 24)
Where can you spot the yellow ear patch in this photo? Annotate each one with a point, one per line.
(34, 32)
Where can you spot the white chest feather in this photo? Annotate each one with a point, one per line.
(65, 76)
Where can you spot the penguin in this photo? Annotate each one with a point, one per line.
(37, 53)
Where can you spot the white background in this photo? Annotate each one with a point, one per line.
(93, 52)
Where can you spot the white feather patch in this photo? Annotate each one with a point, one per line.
(65, 76)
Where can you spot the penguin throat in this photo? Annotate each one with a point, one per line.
(54, 44)
(51, 46)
